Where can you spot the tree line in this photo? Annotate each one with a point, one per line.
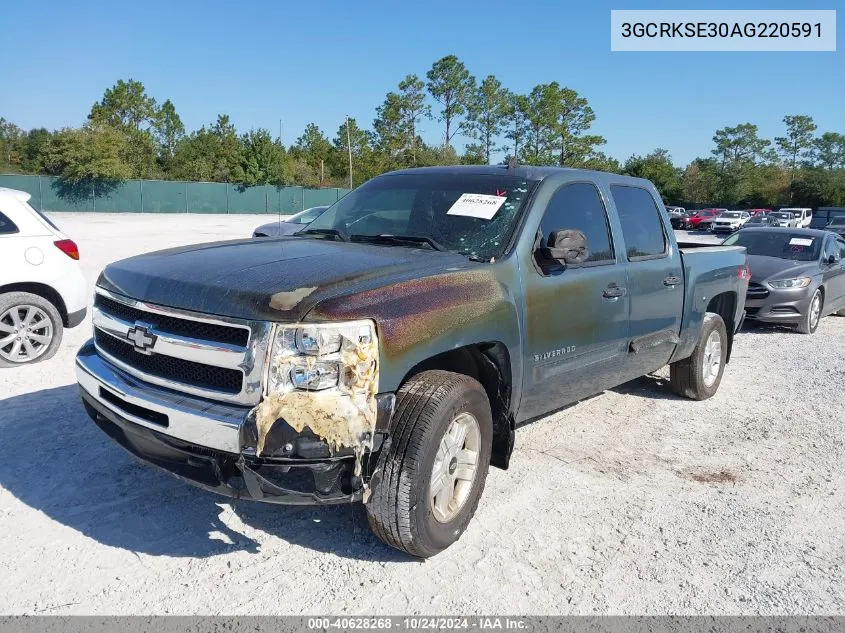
(128, 134)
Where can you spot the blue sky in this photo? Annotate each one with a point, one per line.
(317, 61)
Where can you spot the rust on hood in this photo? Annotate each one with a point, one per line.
(289, 300)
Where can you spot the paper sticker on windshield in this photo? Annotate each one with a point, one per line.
(801, 241)
(477, 205)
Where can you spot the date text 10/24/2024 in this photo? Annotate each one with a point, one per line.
(416, 623)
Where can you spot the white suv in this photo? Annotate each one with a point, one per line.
(803, 217)
(730, 221)
(42, 289)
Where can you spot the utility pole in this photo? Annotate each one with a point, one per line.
(349, 148)
(280, 133)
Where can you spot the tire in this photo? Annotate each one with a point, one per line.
(47, 327)
(810, 321)
(688, 377)
(400, 509)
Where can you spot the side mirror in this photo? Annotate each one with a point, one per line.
(832, 259)
(568, 246)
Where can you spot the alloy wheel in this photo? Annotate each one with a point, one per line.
(25, 333)
(455, 467)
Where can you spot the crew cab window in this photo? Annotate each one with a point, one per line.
(7, 226)
(841, 245)
(579, 206)
(640, 219)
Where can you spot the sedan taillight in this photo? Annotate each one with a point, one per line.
(68, 247)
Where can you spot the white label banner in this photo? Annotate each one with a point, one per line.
(723, 30)
(477, 205)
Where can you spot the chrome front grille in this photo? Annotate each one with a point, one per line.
(208, 356)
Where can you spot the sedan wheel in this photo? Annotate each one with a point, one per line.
(810, 323)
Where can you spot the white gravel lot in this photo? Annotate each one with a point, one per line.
(632, 502)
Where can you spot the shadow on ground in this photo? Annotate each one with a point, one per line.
(652, 387)
(55, 460)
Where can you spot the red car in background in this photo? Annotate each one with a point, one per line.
(703, 219)
(754, 212)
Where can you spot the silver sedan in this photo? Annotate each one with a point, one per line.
(290, 225)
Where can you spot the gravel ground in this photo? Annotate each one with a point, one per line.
(632, 502)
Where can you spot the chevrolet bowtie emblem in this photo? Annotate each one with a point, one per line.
(142, 339)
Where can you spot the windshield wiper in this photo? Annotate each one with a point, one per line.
(387, 238)
(329, 232)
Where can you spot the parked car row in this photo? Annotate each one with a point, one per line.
(727, 221)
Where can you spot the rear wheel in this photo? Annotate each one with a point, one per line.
(810, 321)
(30, 329)
(698, 376)
(430, 479)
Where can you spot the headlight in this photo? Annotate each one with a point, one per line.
(315, 357)
(800, 282)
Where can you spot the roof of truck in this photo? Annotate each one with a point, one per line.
(529, 172)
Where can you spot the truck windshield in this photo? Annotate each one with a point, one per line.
(471, 214)
(768, 243)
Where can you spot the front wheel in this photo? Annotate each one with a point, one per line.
(698, 376)
(429, 480)
(810, 321)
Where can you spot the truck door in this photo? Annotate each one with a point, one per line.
(655, 280)
(576, 315)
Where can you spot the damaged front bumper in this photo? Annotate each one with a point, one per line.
(212, 445)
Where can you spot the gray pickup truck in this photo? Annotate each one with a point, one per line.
(387, 353)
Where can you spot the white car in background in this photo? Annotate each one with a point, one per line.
(730, 221)
(42, 289)
(785, 218)
(802, 216)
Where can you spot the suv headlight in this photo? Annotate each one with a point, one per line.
(319, 356)
(800, 282)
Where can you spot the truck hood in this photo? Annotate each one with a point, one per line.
(768, 268)
(268, 279)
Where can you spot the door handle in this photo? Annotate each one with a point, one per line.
(613, 291)
(671, 281)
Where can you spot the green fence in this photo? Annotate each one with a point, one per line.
(167, 196)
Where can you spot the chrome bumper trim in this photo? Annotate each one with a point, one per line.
(210, 424)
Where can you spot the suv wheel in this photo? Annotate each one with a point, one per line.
(698, 376)
(430, 478)
(30, 329)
